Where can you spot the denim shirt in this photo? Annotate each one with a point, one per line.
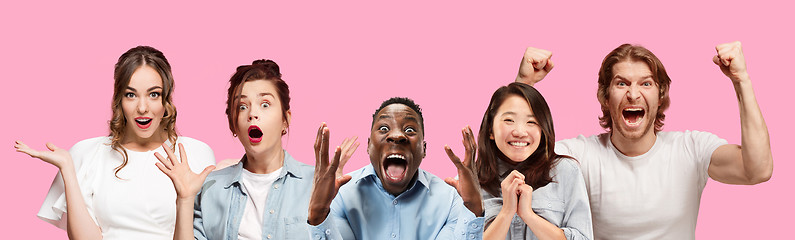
(563, 202)
(222, 199)
(428, 209)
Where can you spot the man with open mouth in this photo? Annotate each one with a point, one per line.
(392, 198)
(645, 183)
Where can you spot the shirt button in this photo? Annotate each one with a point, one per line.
(271, 211)
(269, 236)
(394, 235)
(276, 186)
(549, 205)
(465, 221)
(394, 202)
(472, 236)
(328, 231)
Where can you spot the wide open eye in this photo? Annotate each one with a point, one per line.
(383, 129)
(242, 107)
(265, 105)
(410, 130)
(154, 95)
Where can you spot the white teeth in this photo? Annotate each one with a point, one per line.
(633, 109)
(142, 120)
(396, 156)
(518, 144)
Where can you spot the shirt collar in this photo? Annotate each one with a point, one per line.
(369, 173)
(290, 167)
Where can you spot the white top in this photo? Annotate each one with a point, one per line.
(257, 187)
(140, 205)
(652, 196)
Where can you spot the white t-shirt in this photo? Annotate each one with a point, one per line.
(652, 196)
(140, 205)
(257, 187)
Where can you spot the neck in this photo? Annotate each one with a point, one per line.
(633, 147)
(136, 143)
(266, 162)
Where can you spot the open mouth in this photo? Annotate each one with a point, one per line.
(143, 122)
(633, 116)
(519, 144)
(395, 167)
(254, 134)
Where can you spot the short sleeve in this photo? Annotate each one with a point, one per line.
(84, 157)
(200, 155)
(703, 144)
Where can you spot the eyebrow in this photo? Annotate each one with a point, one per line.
(148, 90)
(513, 113)
(644, 77)
(386, 116)
(260, 94)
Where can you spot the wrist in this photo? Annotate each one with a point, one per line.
(185, 200)
(317, 216)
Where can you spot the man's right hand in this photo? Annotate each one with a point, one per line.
(326, 182)
(536, 64)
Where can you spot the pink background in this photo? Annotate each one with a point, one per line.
(342, 59)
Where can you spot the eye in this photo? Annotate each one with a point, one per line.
(622, 84)
(129, 95)
(508, 120)
(532, 122)
(242, 107)
(154, 95)
(265, 105)
(383, 129)
(410, 130)
(647, 84)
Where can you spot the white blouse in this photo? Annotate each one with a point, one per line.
(139, 204)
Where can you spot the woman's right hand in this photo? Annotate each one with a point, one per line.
(55, 156)
(510, 192)
(186, 182)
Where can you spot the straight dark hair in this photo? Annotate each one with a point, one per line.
(536, 168)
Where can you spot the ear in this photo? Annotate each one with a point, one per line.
(368, 146)
(424, 148)
(288, 115)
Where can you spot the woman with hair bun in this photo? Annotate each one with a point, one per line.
(265, 195)
(108, 185)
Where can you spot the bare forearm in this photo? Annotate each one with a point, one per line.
(184, 225)
(498, 228)
(79, 224)
(543, 229)
(757, 157)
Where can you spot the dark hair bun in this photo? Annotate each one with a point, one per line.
(269, 65)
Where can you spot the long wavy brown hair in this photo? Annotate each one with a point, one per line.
(536, 168)
(128, 63)
(624, 53)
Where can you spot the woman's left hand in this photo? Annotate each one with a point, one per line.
(186, 182)
(525, 208)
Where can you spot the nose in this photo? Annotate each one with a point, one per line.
(252, 115)
(143, 106)
(633, 93)
(397, 137)
(520, 131)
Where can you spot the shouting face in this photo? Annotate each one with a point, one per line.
(396, 146)
(633, 100)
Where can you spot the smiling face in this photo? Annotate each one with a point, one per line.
(259, 121)
(633, 100)
(396, 146)
(142, 105)
(515, 129)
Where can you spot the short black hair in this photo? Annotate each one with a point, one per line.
(401, 100)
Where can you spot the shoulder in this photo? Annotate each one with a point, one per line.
(689, 136)
(91, 143)
(566, 168)
(436, 184)
(193, 144)
(304, 169)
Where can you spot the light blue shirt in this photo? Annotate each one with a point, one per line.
(563, 202)
(221, 201)
(428, 209)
